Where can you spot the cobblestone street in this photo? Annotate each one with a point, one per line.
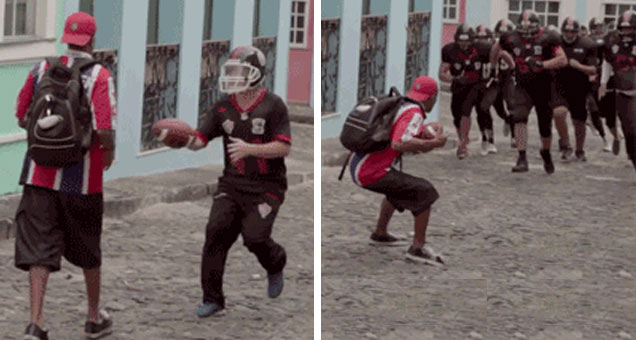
(529, 256)
(151, 273)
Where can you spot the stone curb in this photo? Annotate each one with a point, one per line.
(119, 206)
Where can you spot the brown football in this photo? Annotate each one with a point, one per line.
(172, 132)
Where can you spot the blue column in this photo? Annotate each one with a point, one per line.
(348, 63)
(435, 51)
(282, 49)
(190, 57)
(130, 90)
(396, 44)
(70, 7)
(243, 22)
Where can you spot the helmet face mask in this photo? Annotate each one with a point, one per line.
(243, 71)
(237, 76)
(570, 30)
(626, 26)
(528, 25)
(464, 36)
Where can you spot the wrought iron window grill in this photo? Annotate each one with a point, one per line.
(160, 90)
(417, 47)
(213, 54)
(108, 59)
(330, 51)
(372, 68)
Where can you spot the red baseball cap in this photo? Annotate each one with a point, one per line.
(424, 87)
(79, 28)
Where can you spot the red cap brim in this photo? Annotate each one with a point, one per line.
(418, 96)
(76, 39)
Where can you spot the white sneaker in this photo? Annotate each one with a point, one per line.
(484, 148)
(492, 148)
(608, 145)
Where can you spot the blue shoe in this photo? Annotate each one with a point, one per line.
(205, 309)
(275, 284)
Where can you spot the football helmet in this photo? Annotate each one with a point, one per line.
(244, 70)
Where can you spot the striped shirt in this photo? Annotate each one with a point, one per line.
(87, 176)
(367, 169)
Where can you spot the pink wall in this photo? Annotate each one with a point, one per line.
(300, 68)
(448, 30)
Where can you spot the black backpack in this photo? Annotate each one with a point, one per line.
(59, 128)
(368, 126)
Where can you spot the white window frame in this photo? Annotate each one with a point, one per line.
(446, 9)
(27, 48)
(616, 15)
(544, 14)
(294, 30)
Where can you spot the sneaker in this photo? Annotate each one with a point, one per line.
(205, 309)
(580, 156)
(424, 255)
(97, 330)
(522, 165)
(608, 145)
(616, 146)
(387, 240)
(513, 143)
(275, 283)
(566, 153)
(492, 148)
(34, 332)
(547, 161)
(484, 148)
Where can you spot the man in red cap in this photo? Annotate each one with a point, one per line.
(60, 213)
(376, 171)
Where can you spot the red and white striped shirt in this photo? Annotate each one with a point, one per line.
(367, 169)
(87, 176)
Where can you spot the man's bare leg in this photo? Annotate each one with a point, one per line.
(386, 212)
(92, 278)
(38, 277)
(421, 223)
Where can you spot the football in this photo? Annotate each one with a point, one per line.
(174, 133)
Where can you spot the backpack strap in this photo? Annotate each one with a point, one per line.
(344, 166)
(82, 63)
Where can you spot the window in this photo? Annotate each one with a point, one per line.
(299, 22)
(548, 11)
(87, 6)
(152, 36)
(451, 12)
(613, 10)
(207, 21)
(19, 19)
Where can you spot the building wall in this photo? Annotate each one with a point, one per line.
(300, 66)
(349, 51)
(122, 25)
(449, 29)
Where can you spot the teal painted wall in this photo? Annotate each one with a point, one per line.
(268, 18)
(13, 77)
(12, 156)
(581, 12)
(381, 7)
(331, 9)
(108, 15)
(478, 12)
(171, 21)
(222, 20)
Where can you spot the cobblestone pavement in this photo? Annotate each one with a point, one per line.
(529, 256)
(151, 275)
(151, 280)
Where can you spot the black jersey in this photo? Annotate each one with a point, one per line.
(266, 121)
(543, 47)
(472, 62)
(622, 57)
(583, 50)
